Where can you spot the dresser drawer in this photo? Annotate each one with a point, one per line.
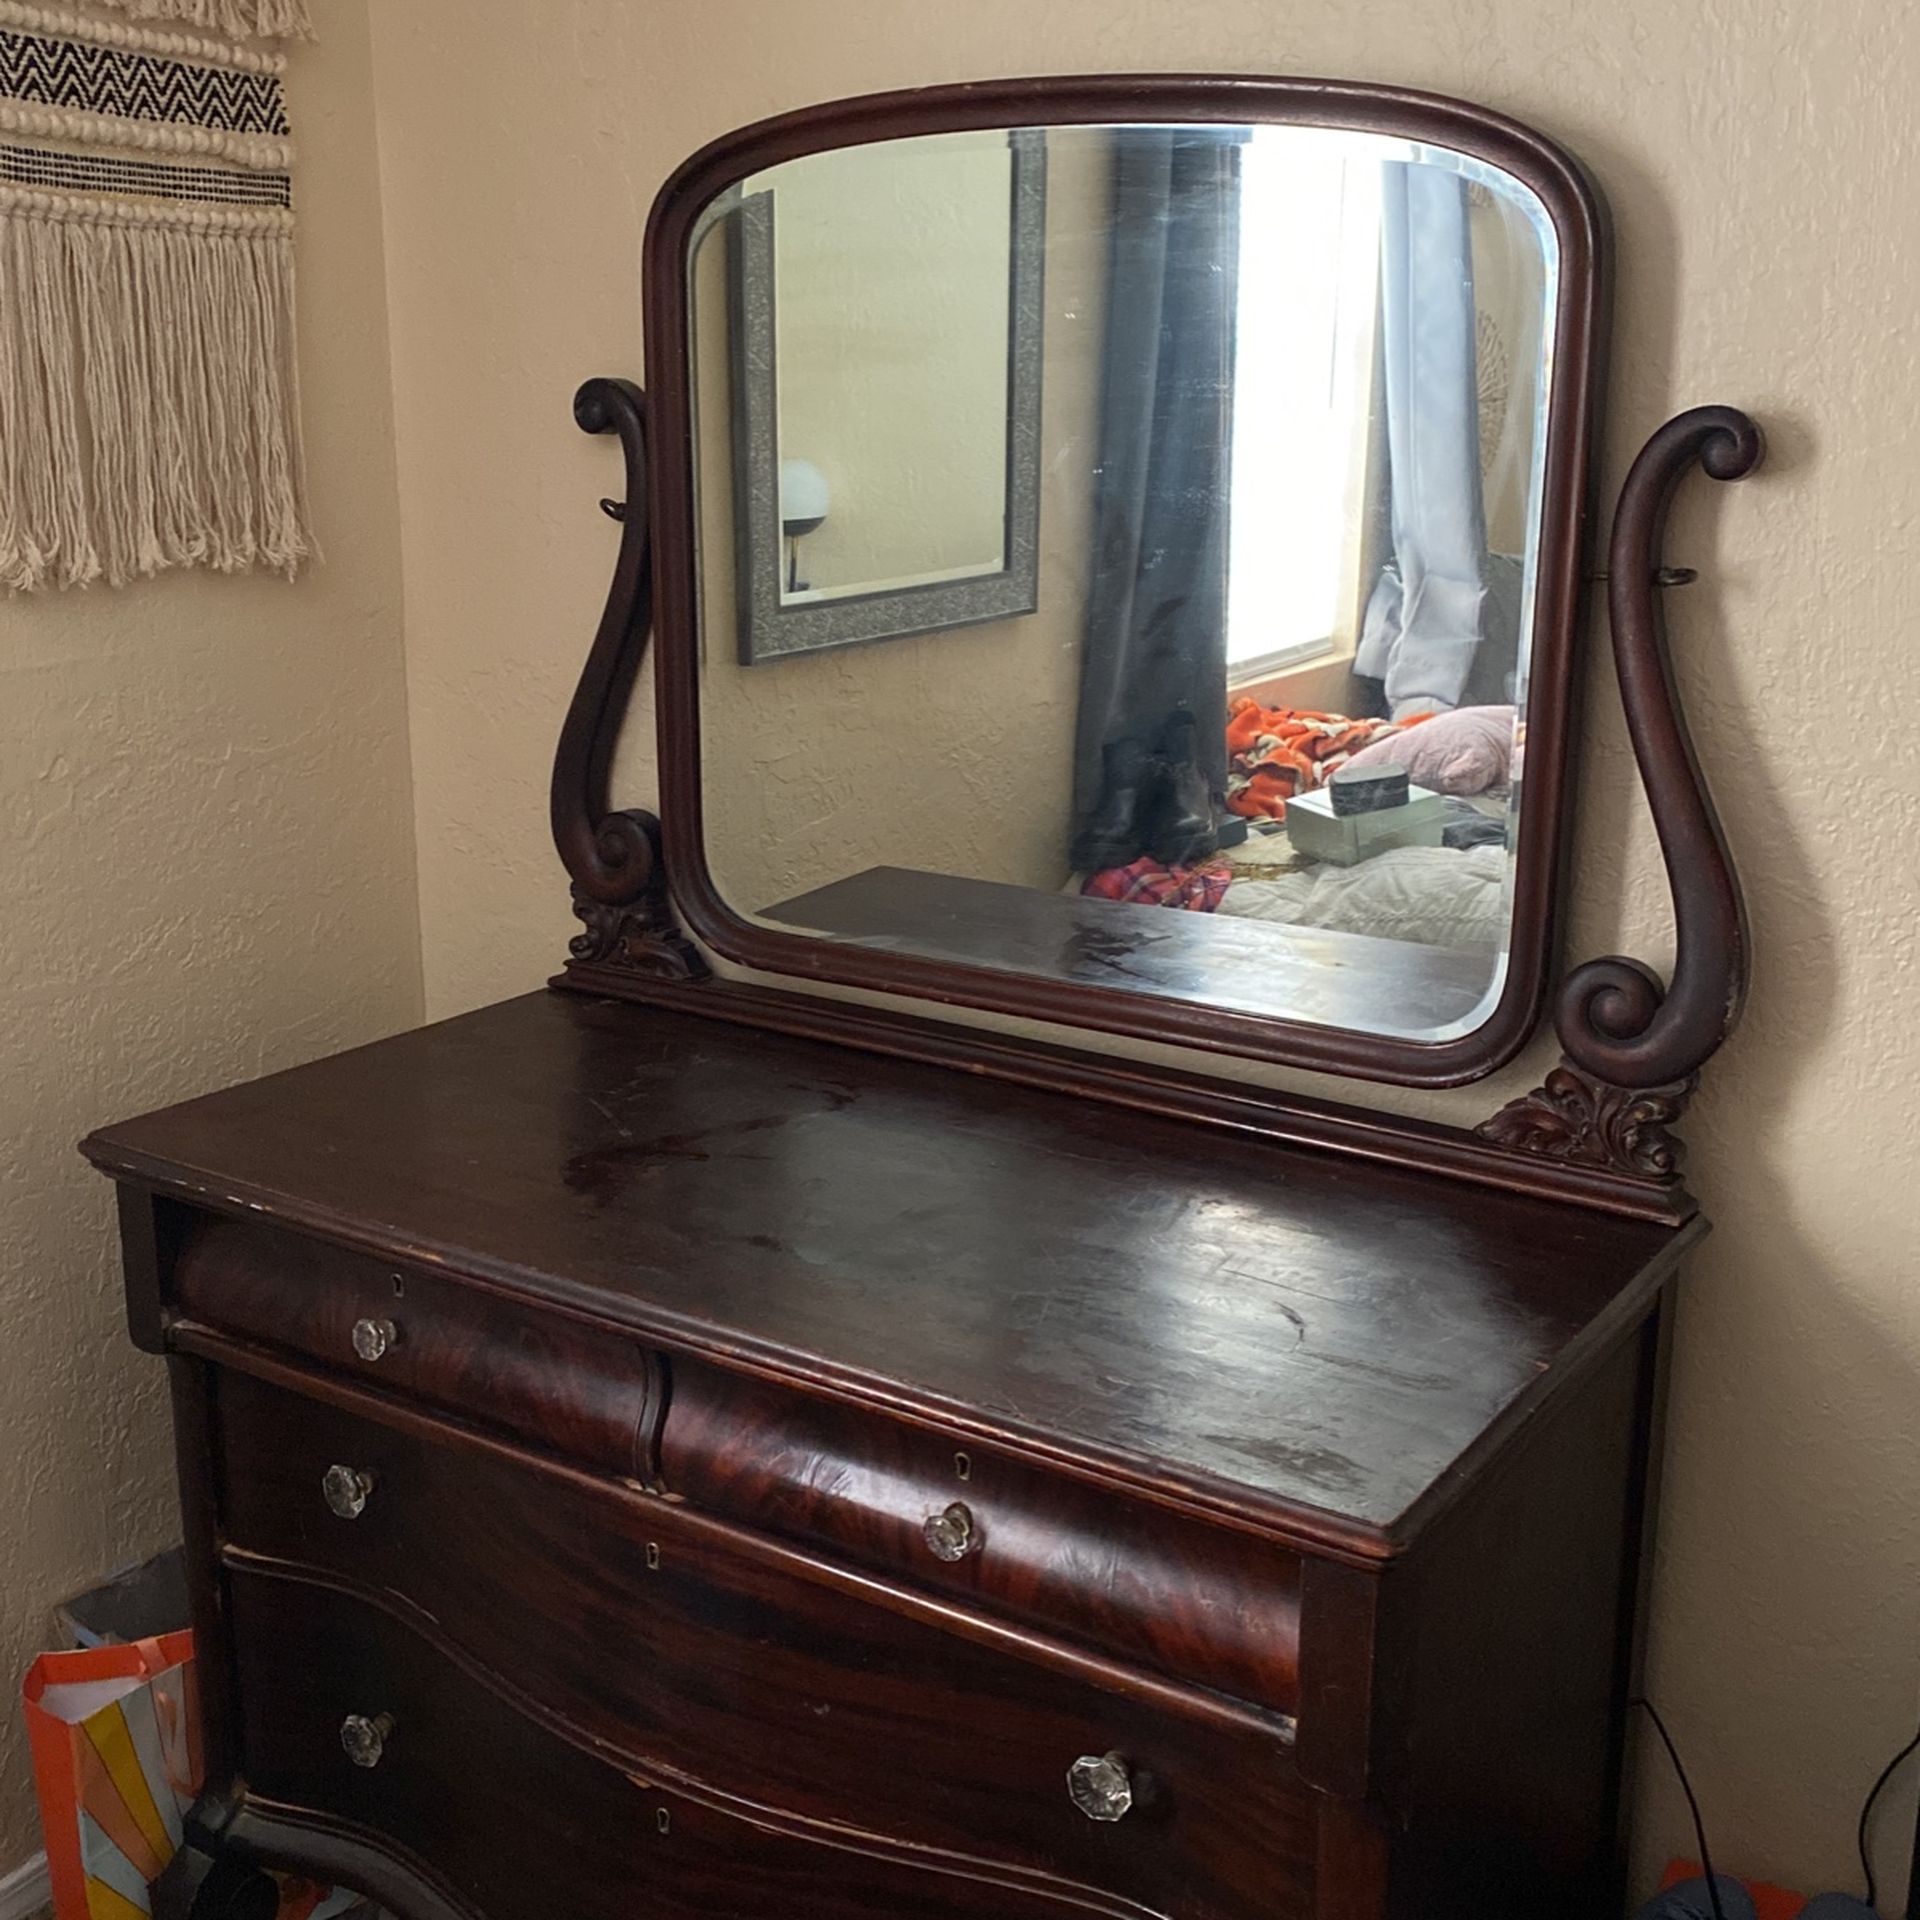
(578, 1390)
(512, 1821)
(1205, 1603)
(738, 1669)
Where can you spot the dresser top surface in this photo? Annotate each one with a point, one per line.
(1269, 1331)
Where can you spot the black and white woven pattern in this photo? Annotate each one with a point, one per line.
(129, 85)
(149, 409)
(102, 174)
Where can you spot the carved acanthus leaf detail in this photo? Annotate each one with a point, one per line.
(635, 938)
(1586, 1122)
(639, 933)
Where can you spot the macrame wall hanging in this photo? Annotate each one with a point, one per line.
(270, 19)
(149, 396)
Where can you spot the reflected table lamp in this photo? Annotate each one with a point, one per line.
(804, 499)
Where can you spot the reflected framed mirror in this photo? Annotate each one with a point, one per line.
(1274, 759)
(885, 344)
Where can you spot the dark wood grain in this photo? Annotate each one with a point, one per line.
(1306, 1345)
(1481, 1682)
(144, 1258)
(1371, 1136)
(1339, 1623)
(1578, 329)
(1501, 1653)
(1206, 1603)
(1078, 1661)
(204, 1881)
(1356, 1845)
(1645, 1470)
(979, 1792)
(583, 1390)
(706, 1865)
(1339, 979)
(196, 1436)
(478, 1813)
(1311, 1487)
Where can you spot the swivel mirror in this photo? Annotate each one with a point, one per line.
(1133, 561)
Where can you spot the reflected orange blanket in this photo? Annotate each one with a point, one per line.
(1275, 752)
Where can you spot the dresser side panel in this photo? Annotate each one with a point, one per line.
(1504, 1669)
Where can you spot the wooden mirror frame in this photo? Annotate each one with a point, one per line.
(1633, 1046)
(1577, 329)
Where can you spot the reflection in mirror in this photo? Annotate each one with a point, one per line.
(1256, 739)
(886, 343)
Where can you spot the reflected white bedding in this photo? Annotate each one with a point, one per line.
(1440, 896)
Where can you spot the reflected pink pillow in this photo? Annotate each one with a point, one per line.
(1467, 751)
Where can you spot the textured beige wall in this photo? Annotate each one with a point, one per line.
(1757, 159)
(879, 273)
(208, 874)
(951, 752)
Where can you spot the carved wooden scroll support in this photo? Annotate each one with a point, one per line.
(1634, 1047)
(619, 882)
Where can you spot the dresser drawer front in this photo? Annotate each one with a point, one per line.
(515, 1822)
(1204, 1603)
(579, 1391)
(723, 1665)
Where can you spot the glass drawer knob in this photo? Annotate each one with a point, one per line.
(366, 1740)
(374, 1339)
(348, 1491)
(1101, 1786)
(953, 1535)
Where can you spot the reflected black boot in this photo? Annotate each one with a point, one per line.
(1129, 790)
(1182, 828)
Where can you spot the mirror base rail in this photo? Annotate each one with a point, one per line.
(1286, 1119)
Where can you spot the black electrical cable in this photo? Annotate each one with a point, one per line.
(1693, 1807)
(1866, 1814)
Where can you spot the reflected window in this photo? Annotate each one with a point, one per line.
(1302, 412)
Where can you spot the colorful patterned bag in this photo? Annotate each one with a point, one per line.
(115, 1733)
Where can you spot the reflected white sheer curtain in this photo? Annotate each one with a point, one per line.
(1424, 622)
(1309, 276)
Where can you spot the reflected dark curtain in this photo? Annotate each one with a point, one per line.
(1150, 754)
(1425, 620)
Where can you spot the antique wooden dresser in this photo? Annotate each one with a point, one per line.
(673, 1445)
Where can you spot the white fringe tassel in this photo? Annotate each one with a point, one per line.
(244, 19)
(149, 403)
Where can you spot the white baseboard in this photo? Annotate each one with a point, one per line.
(26, 1891)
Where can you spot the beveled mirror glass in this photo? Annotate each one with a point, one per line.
(1270, 405)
